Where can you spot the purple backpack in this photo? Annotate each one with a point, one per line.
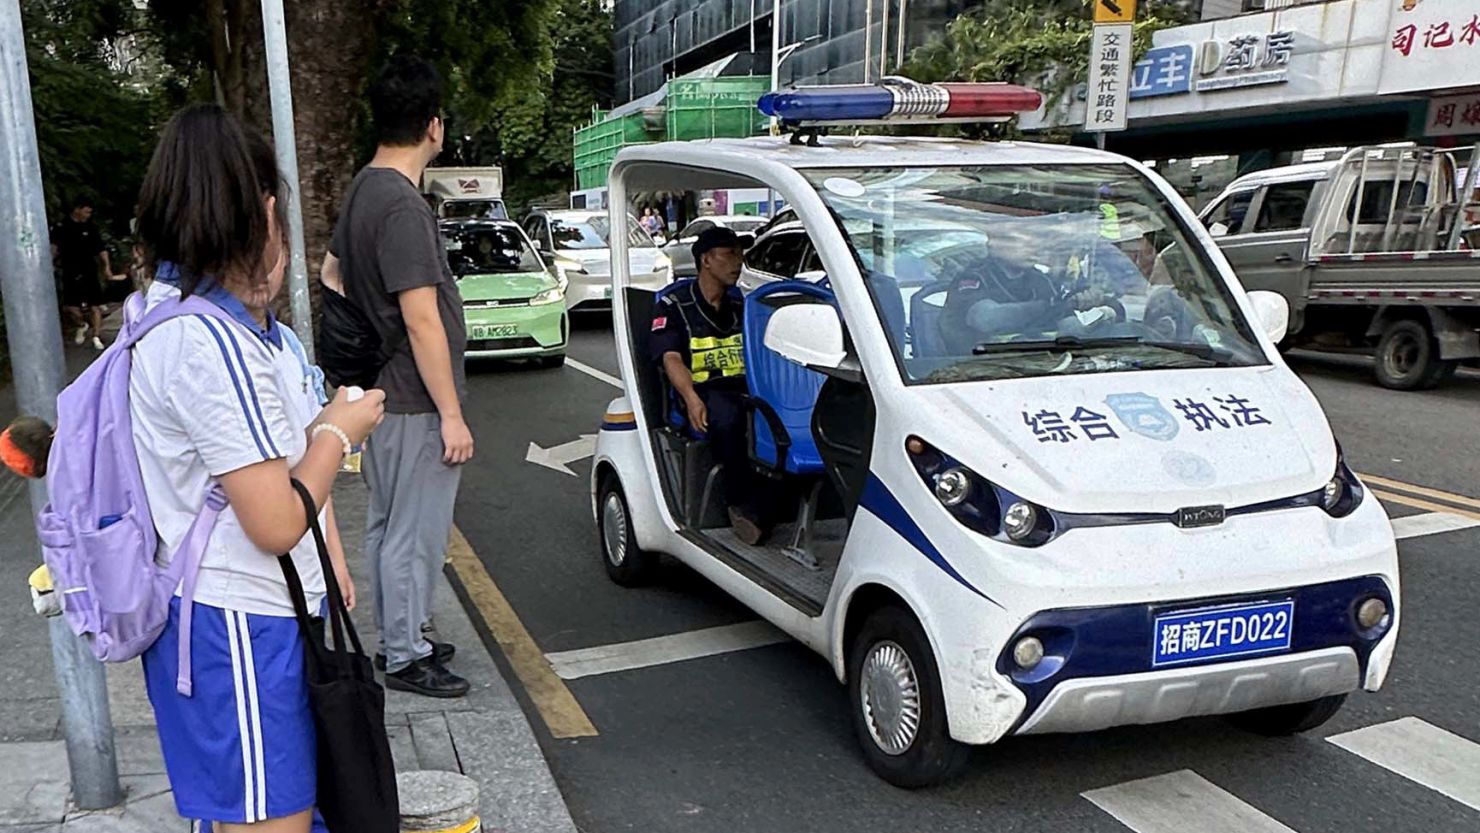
(97, 534)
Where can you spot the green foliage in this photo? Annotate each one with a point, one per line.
(95, 110)
(1041, 43)
(521, 75)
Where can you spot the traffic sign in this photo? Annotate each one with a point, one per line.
(1109, 77)
(1115, 11)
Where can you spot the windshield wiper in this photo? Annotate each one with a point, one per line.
(1059, 344)
(1208, 352)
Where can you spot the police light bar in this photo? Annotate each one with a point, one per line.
(899, 100)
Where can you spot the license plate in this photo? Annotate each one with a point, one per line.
(1220, 633)
(483, 332)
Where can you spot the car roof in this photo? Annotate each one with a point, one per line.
(1308, 171)
(862, 151)
(573, 215)
(723, 219)
(477, 221)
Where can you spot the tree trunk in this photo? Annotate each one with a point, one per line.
(330, 43)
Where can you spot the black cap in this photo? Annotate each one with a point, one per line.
(717, 238)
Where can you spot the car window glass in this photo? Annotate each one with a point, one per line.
(781, 255)
(1230, 213)
(1284, 206)
(489, 250)
(696, 228)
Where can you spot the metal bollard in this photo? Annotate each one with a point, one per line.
(436, 801)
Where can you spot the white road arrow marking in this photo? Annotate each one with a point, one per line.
(558, 457)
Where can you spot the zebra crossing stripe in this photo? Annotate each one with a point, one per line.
(1178, 802)
(1423, 753)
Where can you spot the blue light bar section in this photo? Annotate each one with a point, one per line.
(842, 103)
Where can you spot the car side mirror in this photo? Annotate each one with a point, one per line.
(1273, 312)
(809, 334)
(1218, 230)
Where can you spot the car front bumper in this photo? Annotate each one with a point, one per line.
(522, 331)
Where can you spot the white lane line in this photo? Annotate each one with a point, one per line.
(661, 650)
(1421, 752)
(1179, 802)
(593, 372)
(1430, 523)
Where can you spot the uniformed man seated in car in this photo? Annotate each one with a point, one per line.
(696, 340)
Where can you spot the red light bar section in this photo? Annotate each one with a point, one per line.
(985, 100)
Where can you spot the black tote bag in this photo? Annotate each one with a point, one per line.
(356, 776)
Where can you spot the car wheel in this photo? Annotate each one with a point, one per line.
(1408, 357)
(551, 362)
(897, 706)
(626, 563)
(1294, 718)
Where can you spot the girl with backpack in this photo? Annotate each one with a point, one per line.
(228, 401)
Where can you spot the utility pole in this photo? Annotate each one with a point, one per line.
(279, 84)
(35, 339)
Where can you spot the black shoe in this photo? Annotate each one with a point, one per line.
(429, 678)
(442, 652)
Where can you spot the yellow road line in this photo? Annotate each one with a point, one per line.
(1462, 500)
(562, 714)
(1423, 504)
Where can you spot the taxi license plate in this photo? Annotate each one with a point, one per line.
(482, 332)
(1220, 633)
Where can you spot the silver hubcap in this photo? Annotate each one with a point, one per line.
(890, 695)
(614, 529)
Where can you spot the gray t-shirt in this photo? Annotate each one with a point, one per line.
(387, 242)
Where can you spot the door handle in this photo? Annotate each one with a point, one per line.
(1283, 259)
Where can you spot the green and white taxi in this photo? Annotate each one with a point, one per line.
(513, 306)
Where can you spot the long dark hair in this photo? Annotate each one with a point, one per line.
(201, 206)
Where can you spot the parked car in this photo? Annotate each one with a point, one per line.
(576, 243)
(513, 305)
(679, 248)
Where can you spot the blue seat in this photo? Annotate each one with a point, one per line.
(783, 394)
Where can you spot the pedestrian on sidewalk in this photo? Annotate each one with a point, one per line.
(387, 254)
(79, 253)
(231, 403)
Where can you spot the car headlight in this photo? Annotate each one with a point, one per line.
(1343, 493)
(548, 296)
(977, 503)
(571, 266)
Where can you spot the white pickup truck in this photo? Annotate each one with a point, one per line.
(1401, 274)
(466, 193)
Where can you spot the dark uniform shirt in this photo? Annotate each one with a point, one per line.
(708, 338)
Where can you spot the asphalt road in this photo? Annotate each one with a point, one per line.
(759, 740)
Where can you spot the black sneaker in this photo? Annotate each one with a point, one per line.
(442, 652)
(428, 678)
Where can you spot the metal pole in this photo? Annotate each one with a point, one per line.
(884, 42)
(899, 53)
(1466, 195)
(36, 358)
(868, 45)
(279, 84)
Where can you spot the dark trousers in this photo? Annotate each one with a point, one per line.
(743, 488)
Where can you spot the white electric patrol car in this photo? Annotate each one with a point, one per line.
(1050, 473)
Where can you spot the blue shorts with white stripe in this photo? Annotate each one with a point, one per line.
(241, 748)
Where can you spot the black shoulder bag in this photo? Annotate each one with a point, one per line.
(350, 349)
(356, 776)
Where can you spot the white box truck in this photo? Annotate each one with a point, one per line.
(466, 193)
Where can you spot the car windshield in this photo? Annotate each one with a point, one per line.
(593, 233)
(995, 272)
(489, 250)
(474, 210)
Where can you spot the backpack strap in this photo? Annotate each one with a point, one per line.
(187, 562)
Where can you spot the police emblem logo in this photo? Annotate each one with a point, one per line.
(1144, 414)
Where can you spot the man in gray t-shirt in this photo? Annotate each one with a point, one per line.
(387, 258)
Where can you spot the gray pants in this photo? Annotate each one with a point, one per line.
(409, 520)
